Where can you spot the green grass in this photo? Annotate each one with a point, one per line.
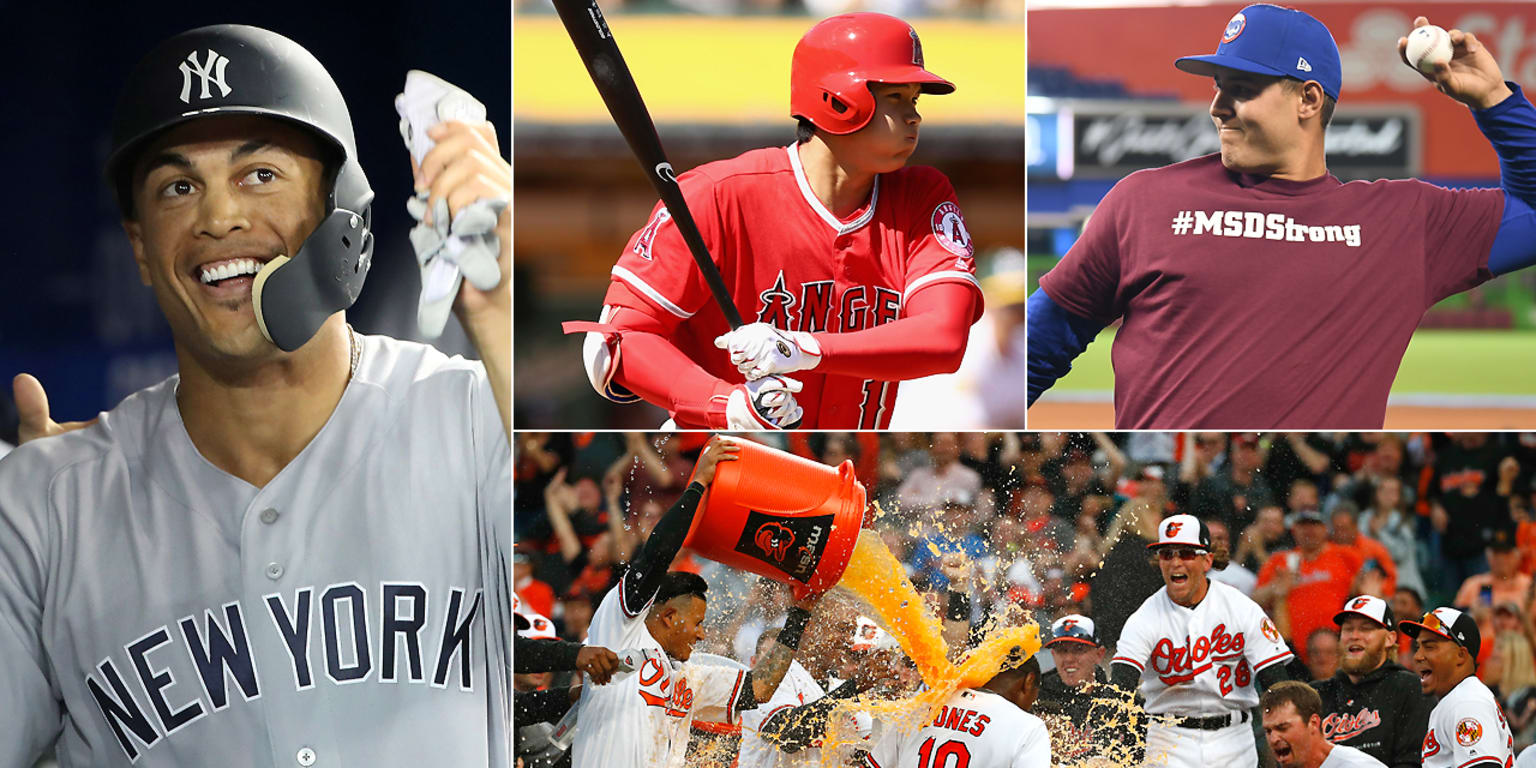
(1452, 362)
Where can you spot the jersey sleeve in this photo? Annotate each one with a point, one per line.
(1086, 282)
(612, 627)
(1265, 646)
(786, 696)
(1134, 646)
(884, 753)
(33, 715)
(939, 249)
(715, 689)
(1034, 745)
(1475, 732)
(1459, 226)
(656, 265)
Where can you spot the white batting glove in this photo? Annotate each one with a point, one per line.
(767, 403)
(759, 349)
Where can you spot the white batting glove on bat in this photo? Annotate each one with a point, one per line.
(767, 403)
(759, 349)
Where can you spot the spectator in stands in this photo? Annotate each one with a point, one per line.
(1302, 587)
(1046, 532)
(1502, 583)
(535, 594)
(1128, 576)
(575, 612)
(992, 456)
(947, 480)
(1344, 531)
(1295, 455)
(1267, 535)
(1322, 653)
(1406, 603)
(960, 532)
(1234, 575)
(1302, 497)
(1466, 469)
(1235, 495)
(1205, 454)
(1388, 520)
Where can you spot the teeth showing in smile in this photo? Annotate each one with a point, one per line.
(228, 269)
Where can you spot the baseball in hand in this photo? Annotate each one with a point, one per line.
(1428, 46)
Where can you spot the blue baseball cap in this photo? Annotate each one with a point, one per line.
(1269, 40)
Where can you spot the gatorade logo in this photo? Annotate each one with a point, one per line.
(792, 545)
(774, 539)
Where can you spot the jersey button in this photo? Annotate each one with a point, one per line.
(274, 571)
(305, 757)
(269, 516)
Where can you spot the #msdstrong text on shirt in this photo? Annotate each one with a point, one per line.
(1258, 225)
(220, 650)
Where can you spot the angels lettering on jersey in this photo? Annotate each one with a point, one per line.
(815, 305)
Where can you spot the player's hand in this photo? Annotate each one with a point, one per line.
(759, 349)
(957, 568)
(32, 406)
(600, 663)
(1472, 77)
(463, 167)
(718, 449)
(767, 403)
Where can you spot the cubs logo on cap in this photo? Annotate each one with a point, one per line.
(1449, 623)
(1073, 628)
(1182, 531)
(1267, 39)
(1234, 28)
(1373, 608)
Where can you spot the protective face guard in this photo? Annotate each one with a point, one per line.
(294, 296)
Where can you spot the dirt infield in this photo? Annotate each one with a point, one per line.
(1098, 416)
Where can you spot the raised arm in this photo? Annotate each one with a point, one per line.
(650, 565)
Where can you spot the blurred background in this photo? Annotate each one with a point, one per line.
(715, 76)
(1105, 100)
(1058, 523)
(72, 310)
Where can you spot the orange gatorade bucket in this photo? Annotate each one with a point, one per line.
(780, 516)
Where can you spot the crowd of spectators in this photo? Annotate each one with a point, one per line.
(1058, 523)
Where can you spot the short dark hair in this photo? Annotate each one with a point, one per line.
(1301, 696)
(804, 130)
(1013, 669)
(1414, 593)
(1329, 102)
(679, 583)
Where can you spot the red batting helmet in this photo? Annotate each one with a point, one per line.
(837, 59)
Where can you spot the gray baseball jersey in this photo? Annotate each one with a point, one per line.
(157, 611)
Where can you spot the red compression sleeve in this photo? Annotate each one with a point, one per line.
(930, 339)
(661, 374)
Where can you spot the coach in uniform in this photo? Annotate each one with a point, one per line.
(1293, 729)
(852, 271)
(1198, 651)
(1466, 728)
(1083, 722)
(292, 546)
(1277, 253)
(1372, 703)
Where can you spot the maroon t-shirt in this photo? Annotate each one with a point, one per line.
(1257, 303)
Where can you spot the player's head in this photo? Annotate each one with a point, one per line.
(1309, 530)
(1075, 647)
(828, 639)
(677, 614)
(233, 143)
(1322, 653)
(1293, 723)
(1367, 635)
(1445, 646)
(1185, 557)
(1018, 681)
(1277, 77)
(854, 84)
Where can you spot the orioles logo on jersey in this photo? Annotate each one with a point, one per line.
(774, 539)
(1431, 746)
(1342, 726)
(1469, 731)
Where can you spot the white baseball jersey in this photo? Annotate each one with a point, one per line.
(1467, 727)
(356, 610)
(798, 687)
(640, 719)
(974, 728)
(1200, 661)
(1342, 756)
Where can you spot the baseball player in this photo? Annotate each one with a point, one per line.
(1467, 727)
(1295, 276)
(852, 271)
(641, 719)
(1198, 651)
(1373, 704)
(273, 556)
(990, 726)
(1293, 728)
(1084, 723)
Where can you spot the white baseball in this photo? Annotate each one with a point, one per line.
(1428, 46)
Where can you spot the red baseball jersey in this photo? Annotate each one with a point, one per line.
(789, 262)
(1258, 303)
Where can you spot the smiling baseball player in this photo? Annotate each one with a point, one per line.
(1467, 727)
(293, 552)
(853, 271)
(1198, 651)
(1238, 274)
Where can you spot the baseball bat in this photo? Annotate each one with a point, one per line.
(588, 30)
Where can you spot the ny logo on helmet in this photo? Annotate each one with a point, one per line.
(774, 539)
(210, 72)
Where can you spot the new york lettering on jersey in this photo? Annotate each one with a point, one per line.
(787, 261)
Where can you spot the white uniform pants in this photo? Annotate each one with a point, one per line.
(1176, 747)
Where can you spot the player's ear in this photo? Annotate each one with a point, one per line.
(1310, 100)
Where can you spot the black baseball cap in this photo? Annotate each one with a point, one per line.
(1449, 623)
(1501, 540)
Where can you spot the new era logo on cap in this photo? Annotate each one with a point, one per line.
(1373, 608)
(1183, 530)
(1301, 64)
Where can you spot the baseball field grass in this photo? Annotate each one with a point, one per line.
(1449, 379)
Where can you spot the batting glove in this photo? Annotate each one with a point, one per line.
(767, 403)
(759, 350)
